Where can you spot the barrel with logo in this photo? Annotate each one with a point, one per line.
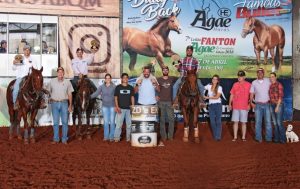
(144, 120)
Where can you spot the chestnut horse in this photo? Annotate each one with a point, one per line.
(189, 98)
(153, 43)
(83, 105)
(30, 98)
(266, 38)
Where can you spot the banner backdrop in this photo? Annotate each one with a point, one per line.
(224, 40)
(75, 32)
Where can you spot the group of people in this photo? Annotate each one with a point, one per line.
(264, 95)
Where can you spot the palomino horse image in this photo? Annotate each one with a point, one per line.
(83, 104)
(266, 38)
(189, 98)
(153, 43)
(30, 99)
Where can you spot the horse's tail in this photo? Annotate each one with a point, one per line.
(276, 58)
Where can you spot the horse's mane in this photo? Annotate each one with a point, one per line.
(259, 22)
(160, 20)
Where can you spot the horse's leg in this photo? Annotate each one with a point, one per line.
(257, 53)
(280, 54)
(24, 113)
(266, 55)
(159, 58)
(17, 122)
(133, 56)
(78, 133)
(88, 127)
(273, 59)
(12, 119)
(195, 123)
(32, 119)
(186, 125)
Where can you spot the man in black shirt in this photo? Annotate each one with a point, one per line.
(124, 98)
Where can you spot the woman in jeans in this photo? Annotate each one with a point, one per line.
(107, 90)
(276, 107)
(215, 106)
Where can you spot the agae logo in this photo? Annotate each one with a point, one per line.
(205, 18)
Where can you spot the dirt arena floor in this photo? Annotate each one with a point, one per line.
(97, 164)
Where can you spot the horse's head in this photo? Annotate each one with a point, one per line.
(173, 23)
(84, 92)
(37, 79)
(192, 76)
(248, 26)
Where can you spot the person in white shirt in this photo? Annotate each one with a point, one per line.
(215, 106)
(80, 66)
(22, 69)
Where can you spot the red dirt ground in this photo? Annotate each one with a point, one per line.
(97, 164)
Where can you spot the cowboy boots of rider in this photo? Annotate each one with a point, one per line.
(196, 135)
(185, 134)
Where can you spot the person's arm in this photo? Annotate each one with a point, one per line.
(90, 58)
(280, 95)
(132, 100)
(97, 92)
(230, 101)
(75, 68)
(117, 108)
(251, 100)
(70, 102)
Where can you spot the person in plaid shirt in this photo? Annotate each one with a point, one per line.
(187, 63)
(276, 107)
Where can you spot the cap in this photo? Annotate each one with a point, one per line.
(260, 70)
(26, 47)
(60, 68)
(241, 73)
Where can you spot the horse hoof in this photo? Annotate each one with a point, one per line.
(32, 140)
(89, 137)
(20, 137)
(26, 141)
(185, 139)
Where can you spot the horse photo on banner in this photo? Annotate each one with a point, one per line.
(82, 32)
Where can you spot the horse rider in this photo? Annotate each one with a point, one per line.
(22, 68)
(187, 63)
(80, 67)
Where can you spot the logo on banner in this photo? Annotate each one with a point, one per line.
(211, 16)
(81, 35)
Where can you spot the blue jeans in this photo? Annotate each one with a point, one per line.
(263, 110)
(16, 89)
(60, 110)
(277, 118)
(125, 114)
(215, 116)
(166, 115)
(178, 83)
(109, 120)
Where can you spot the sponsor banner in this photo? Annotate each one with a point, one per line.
(142, 126)
(144, 113)
(77, 32)
(144, 139)
(63, 7)
(227, 36)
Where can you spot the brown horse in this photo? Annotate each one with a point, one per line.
(189, 99)
(83, 105)
(30, 98)
(153, 43)
(266, 38)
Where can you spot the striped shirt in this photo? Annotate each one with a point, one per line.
(187, 63)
